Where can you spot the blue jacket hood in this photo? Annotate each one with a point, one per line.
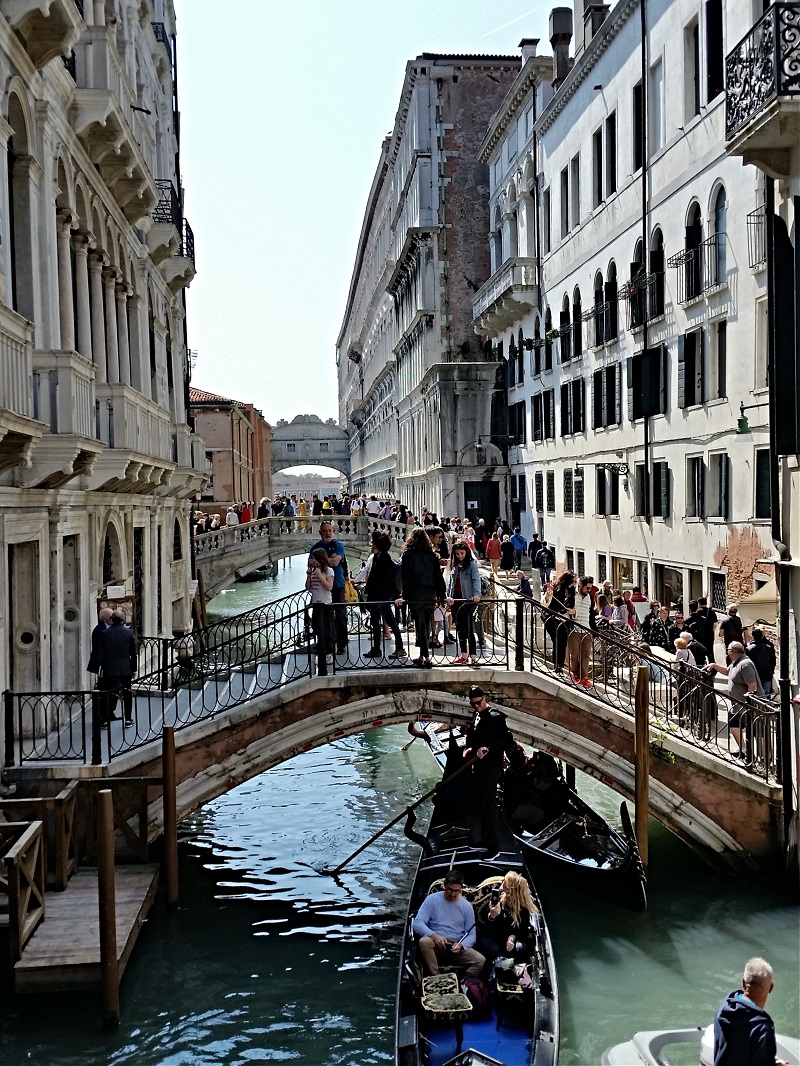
(743, 1033)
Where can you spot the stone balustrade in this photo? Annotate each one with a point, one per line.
(62, 392)
(15, 362)
(130, 421)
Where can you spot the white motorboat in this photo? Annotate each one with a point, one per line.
(651, 1048)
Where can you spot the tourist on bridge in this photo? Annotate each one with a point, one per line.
(656, 629)
(423, 587)
(580, 640)
(544, 563)
(334, 549)
(731, 628)
(743, 681)
(382, 587)
(709, 617)
(744, 1034)
(560, 612)
(699, 652)
(520, 546)
(319, 582)
(263, 509)
(246, 514)
(231, 517)
(463, 596)
(99, 703)
(762, 653)
(117, 667)
(507, 555)
(494, 552)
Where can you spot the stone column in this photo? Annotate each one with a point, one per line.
(112, 346)
(122, 333)
(96, 264)
(64, 220)
(527, 228)
(82, 243)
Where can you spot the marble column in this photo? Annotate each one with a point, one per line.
(122, 334)
(82, 243)
(112, 346)
(96, 264)
(64, 221)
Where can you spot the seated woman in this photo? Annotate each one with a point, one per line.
(508, 921)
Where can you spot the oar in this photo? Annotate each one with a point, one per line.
(411, 727)
(400, 817)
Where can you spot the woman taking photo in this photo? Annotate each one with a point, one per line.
(463, 595)
(319, 582)
(382, 587)
(561, 610)
(423, 586)
(509, 920)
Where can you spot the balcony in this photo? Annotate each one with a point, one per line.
(645, 299)
(98, 119)
(179, 269)
(164, 236)
(138, 436)
(762, 106)
(700, 269)
(509, 293)
(18, 430)
(47, 28)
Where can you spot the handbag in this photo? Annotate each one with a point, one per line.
(350, 594)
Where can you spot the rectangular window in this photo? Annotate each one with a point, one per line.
(638, 127)
(522, 423)
(695, 487)
(720, 480)
(607, 396)
(521, 489)
(719, 592)
(691, 66)
(763, 508)
(538, 491)
(551, 492)
(511, 145)
(691, 383)
(611, 153)
(715, 56)
(656, 107)
(543, 414)
(529, 122)
(564, 202)
(648, 379)
(601, 492)
(546, 239)
(613, 493)
(661, 490)
(577, 479)
(597, 168)
(602, 568)
(575, 167)
(569, 557)
(762, 340)
(580, 562)
(569, 496)
(572, 407)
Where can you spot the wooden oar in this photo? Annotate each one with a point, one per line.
(400, 817)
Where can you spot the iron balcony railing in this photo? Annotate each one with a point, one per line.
(645, 299)
(763, 66)
(757, 238)
(161, 35)
(168, 209)
(241, 659)
(699, 269)
(187, 242)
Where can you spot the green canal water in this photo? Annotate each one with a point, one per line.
(270, 960)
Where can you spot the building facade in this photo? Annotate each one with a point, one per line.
(627, 373)
(237, 450)
(98, 458)
(421, 396)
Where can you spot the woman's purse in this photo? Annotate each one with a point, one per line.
(350, 594)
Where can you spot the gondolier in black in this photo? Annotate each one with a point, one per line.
(487, 739)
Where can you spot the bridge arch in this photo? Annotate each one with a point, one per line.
(699, 799)
(308, 441)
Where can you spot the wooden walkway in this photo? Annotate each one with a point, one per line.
(63, 954)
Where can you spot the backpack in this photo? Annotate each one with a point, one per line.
(477, 992)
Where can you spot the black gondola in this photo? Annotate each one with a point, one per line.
(520, 1025)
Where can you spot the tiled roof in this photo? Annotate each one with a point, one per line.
(198, 396)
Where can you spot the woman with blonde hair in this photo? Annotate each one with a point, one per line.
(509, 919)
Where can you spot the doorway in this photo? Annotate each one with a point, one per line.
(482, 500)
(24, 631)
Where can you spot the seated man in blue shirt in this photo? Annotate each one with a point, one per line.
(446, 925)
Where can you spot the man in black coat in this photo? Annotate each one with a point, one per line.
(487, 739)
(99, 704)
(117, 667)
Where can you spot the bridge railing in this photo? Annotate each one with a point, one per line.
(227, 538)
(236, 660)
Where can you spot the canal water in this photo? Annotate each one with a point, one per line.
(269, 959)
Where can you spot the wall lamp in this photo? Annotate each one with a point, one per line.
(742, 424)
(480, 453)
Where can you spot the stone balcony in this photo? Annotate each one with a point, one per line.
(138, 438)
(762, 77)
(19, 431)
(509, 293)
(47, 28)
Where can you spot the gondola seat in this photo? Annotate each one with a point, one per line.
(443, 1001)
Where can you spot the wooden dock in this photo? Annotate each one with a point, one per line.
(63, 954)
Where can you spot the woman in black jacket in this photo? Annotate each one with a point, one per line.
(508, 920)
(561, 609)
(423, 587)
(382, 587)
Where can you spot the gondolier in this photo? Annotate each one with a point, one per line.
(487, 738)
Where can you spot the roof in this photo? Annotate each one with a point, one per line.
(198, 396)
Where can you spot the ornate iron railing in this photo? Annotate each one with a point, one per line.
(168, 208)
(187, 242)
(699, 269)
(763, 66)
(240, 659)
(645, 299)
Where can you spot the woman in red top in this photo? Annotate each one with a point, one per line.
(494, 551)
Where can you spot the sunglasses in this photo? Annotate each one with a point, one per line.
(476, 703)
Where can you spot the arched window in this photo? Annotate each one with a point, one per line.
(693, 274)
(720, 238)
(565, 331)
(656, 289)
(177, 541)
(599, 310)
(577, 322)
(637, 297)
(537, 346)
(548, 340)
(497, 241)
(610, 293)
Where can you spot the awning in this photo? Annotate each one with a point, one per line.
(761, 606)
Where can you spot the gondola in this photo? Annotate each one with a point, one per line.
(261, 573)
(437, 1025)
(570, 840)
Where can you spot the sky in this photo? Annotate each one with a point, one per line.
(283, 109)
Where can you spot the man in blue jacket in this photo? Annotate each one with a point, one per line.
(744, 1034)
(445, 924)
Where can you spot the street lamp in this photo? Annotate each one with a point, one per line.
(480, 453)
(742, 424)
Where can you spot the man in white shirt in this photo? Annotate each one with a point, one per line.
(580, 640)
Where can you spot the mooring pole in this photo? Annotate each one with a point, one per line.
(642, 757)
(170, 800)
(109, 971)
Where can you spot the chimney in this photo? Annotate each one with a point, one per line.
(594, 15)
(560, 37)
(528, 46)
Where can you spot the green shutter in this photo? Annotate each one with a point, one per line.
(683, 344)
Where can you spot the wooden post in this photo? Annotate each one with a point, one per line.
(519, 635)
(109, 972)
(170, 801)
(642, 754)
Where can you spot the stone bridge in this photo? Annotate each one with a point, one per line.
(233, 551)
(308, 441)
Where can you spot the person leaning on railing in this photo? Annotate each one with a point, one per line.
(743, 681)
(561, 611)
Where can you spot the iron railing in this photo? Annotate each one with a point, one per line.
(699, 269)
(240, 659)
(763, 66)
(168, 209)
(187, 242)
(161, 35)
(645, 299)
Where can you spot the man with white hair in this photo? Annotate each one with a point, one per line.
(743, 681)
(744, 1034)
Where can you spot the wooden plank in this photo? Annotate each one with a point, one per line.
(64, 952)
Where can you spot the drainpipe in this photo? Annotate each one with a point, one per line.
(645, 254)
(782, 569)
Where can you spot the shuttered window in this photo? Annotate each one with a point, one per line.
(762, 503)
(569, 500)
(572, 407)
(551, 492)
(607, 396)
(648, 379)
(538, 491)
(661, 490)
(691, 369)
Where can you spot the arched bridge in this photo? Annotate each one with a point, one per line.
(252, 697)
(308, 441)
(231, 552)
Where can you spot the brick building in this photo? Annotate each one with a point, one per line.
(238, 459)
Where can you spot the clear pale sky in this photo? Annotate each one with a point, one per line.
(283, 109)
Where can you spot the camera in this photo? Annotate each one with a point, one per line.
(495, 896)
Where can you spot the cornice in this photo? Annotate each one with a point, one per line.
(526, 81)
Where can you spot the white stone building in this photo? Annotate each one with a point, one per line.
(97, 460)
(626, 377)
(418, 391)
